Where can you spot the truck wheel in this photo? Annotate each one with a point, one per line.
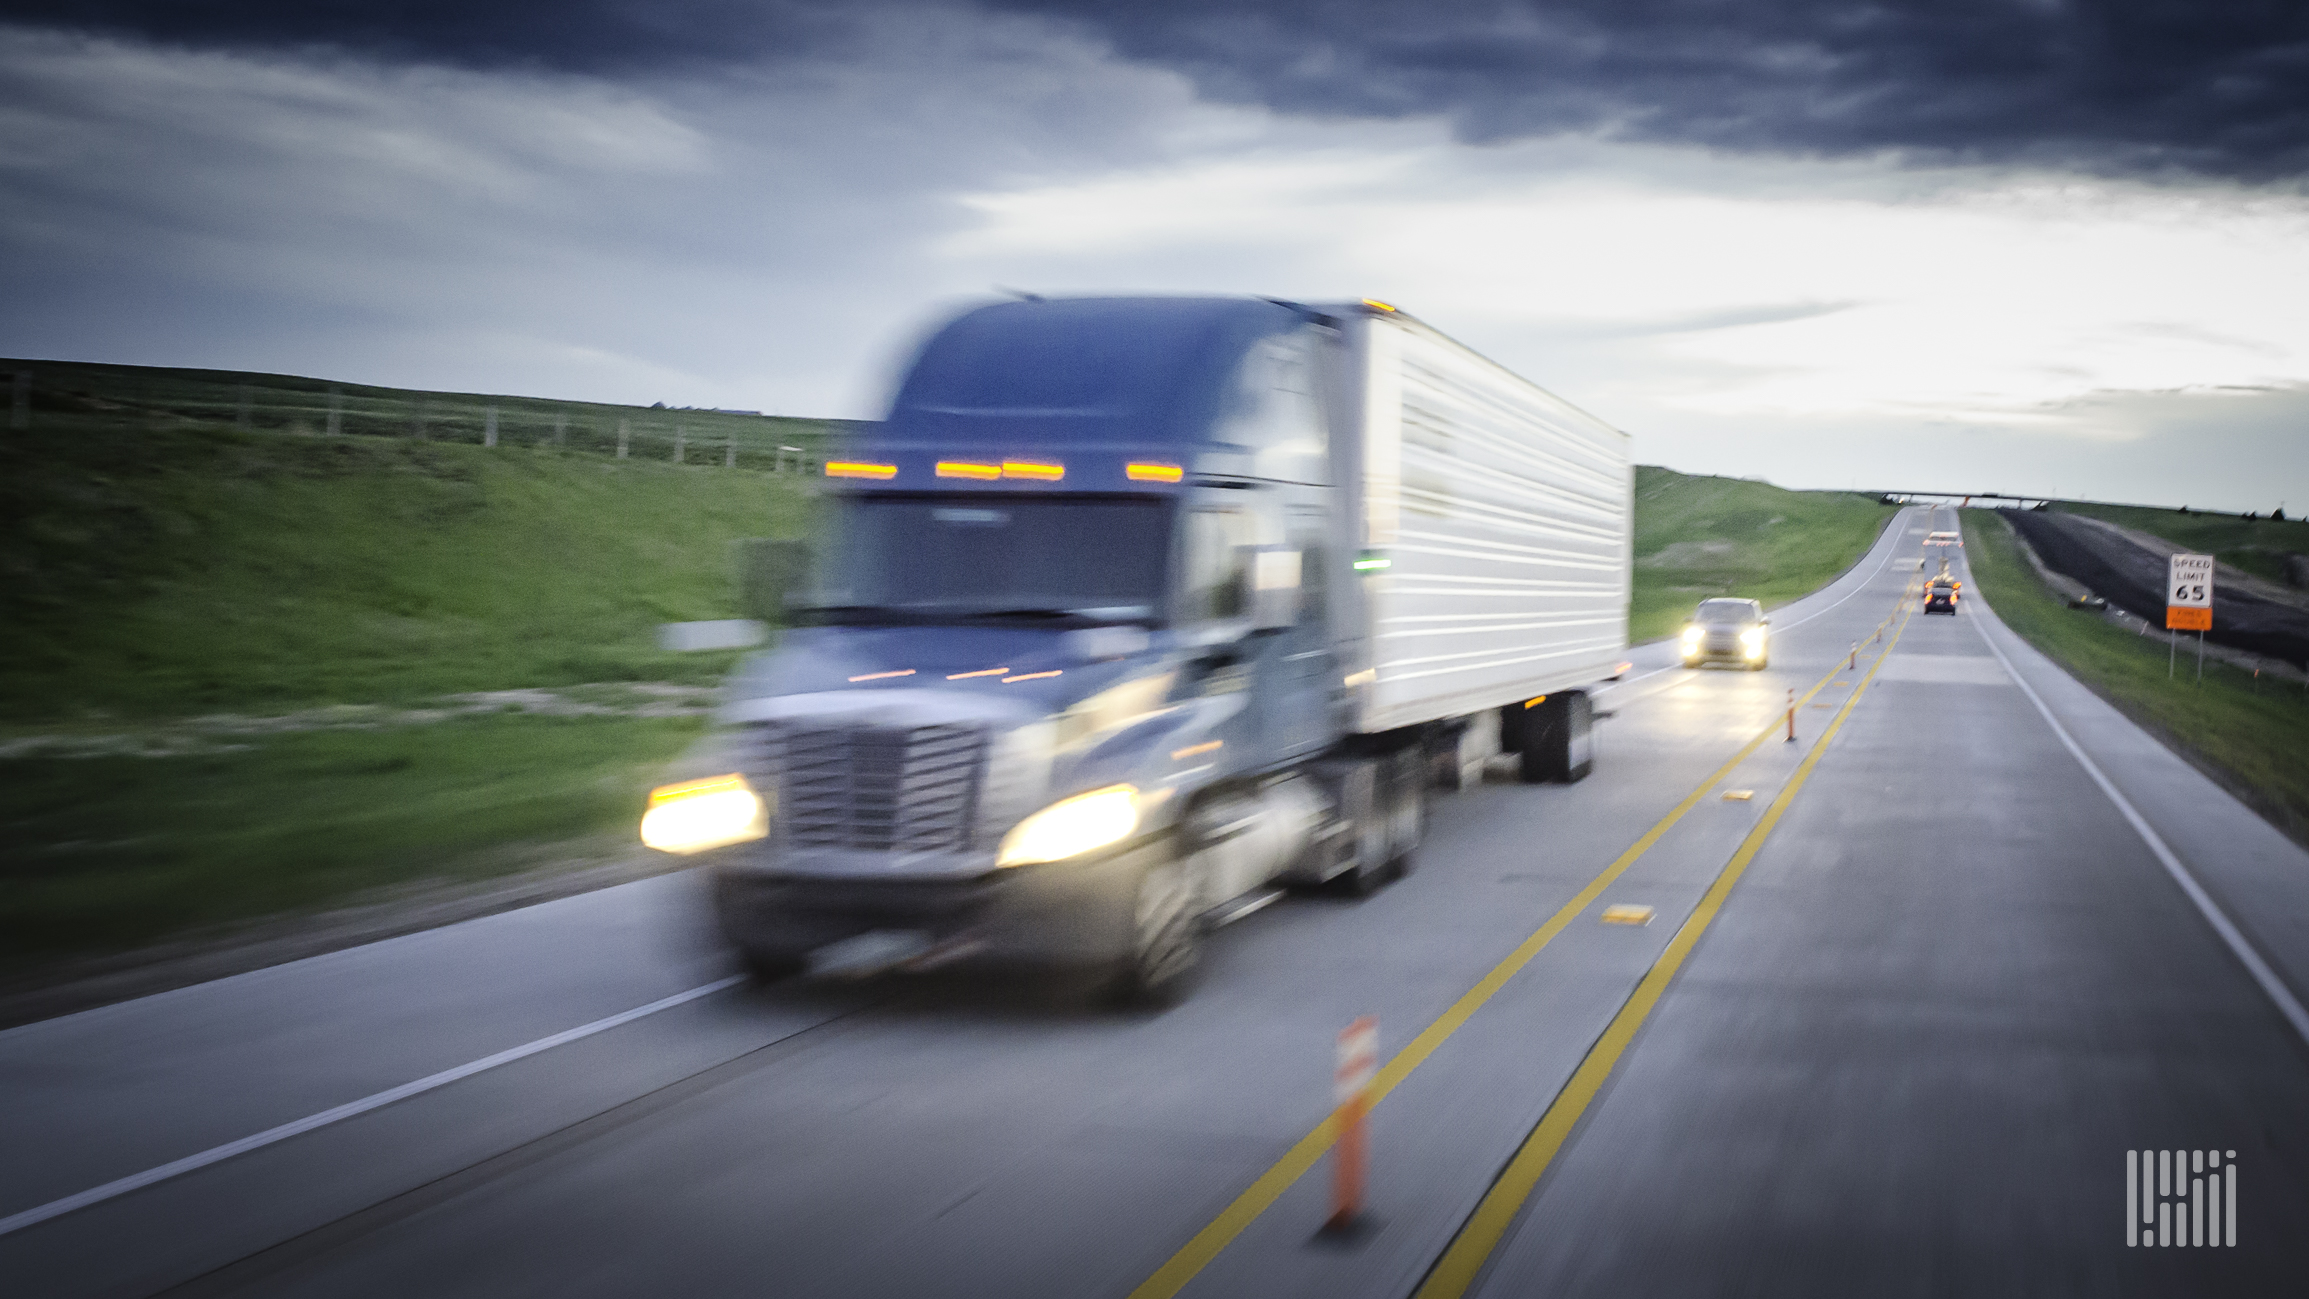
(1166, 939)
(1559, 744)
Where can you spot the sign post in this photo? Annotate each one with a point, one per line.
(2188, 604)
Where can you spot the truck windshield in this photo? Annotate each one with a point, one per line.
(1013, 557)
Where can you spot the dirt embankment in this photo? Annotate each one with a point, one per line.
(2128, 567)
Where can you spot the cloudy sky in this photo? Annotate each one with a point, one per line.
(2016, 245)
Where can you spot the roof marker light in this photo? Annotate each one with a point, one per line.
(1039, 471)
(1376, 305)
(859, 469)
(968, 469)
(881, 676)
(1139, 472)
(1034, 676)
(982, 672)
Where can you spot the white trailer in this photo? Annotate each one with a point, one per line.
(1496, 526)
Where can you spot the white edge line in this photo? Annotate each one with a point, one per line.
(270, 1136)
(2287, 1004)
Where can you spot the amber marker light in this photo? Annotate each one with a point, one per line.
(1153, 473)
(699, 814)
(1376, 305)
(884, 676)
(1034, 676)
(969, 469)
(859, 469)
(982, 672)
(1036, 470)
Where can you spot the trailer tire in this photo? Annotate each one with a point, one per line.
(1558, 740)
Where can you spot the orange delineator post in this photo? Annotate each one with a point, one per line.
(1791, 716)
(1358, 1062)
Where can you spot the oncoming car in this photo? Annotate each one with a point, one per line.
(1727, 631)
(1940, 595)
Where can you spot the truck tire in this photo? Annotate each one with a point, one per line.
(1407, 817)
(1558, 740)
(1166, 939)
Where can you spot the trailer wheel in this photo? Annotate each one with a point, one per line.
(1166, 939)
(1558, 740)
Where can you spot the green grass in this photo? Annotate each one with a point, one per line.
(1697, 537)
(2252, 732)
(115, 400)
(2258, 546)
(164, 572)
(100, 854)
(161, 557)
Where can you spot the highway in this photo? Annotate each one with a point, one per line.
(1897, 1018)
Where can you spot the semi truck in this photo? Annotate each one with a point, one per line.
(1134, 612)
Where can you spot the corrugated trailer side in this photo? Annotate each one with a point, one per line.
(1502, 516)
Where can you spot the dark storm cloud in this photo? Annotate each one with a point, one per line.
(2218, 87)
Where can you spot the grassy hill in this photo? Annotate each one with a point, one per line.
(224, 688)
(255, 667)
(1699, 536)
(2258, 546)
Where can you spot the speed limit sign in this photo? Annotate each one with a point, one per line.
(2189, 593)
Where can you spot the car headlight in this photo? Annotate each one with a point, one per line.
(1691, 639)
(1071, 827)
(700, 814)
(1752, 640)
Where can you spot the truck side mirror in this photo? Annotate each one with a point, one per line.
(1274, 587)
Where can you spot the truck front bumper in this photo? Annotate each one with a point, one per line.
(1075, 913)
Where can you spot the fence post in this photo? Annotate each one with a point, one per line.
(561, 428)
(241, 409)
(20, 401)
(623, 437)
(417, 420)
(336, 411)
(489, 427)
(680, 441)
(730, 452)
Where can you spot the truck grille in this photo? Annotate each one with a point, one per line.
(900, 789)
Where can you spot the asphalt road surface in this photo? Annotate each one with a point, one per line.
(1894, 1024)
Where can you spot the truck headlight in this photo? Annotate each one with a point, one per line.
(700, 814)
(1071, 827)
(1752, 640)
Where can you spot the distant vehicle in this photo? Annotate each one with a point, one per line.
(1138, 608)
(1940, 594)
(1955, 539)
(1728, 631)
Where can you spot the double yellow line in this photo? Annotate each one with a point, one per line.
(1206, 1244)
(1484, 1228)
